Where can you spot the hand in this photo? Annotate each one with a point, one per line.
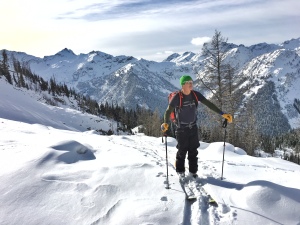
(164, 127)
(227, 117)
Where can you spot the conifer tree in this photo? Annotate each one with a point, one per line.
(217, 78)
(4, 67)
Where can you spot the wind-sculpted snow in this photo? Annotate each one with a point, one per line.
(267, 202)
(71, 177)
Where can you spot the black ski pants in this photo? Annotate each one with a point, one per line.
(187, 142)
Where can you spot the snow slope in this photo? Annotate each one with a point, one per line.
(62, 175)
(27, 106)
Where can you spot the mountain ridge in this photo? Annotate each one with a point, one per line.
(128, 81)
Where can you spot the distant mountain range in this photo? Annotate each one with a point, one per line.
(128, 81)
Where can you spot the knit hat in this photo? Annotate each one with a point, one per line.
(184, 78)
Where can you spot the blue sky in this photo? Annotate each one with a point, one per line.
(142, 28)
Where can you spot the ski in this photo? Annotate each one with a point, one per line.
(190, 195)
(210, 199)
(190, 184)
(193, 184)
(188, 192)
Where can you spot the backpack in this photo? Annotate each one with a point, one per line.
(171, 96)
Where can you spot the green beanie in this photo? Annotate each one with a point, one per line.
(184, 78)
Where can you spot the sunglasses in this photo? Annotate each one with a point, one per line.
(188, 82)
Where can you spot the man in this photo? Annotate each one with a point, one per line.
(187, 131)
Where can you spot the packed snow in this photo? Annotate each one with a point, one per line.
(53, 171)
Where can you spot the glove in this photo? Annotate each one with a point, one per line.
(227, 117)
(164, 127)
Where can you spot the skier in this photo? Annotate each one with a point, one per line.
(185, 105)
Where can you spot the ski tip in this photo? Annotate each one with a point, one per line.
(213, 203)
(191, 198)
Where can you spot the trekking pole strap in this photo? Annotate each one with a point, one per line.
(224, 125)
(163, 135)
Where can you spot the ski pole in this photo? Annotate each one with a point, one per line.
(224, 126)
(167, 185)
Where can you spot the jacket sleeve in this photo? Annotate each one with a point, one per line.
(209, 104)
(167, 113)
(212, 106)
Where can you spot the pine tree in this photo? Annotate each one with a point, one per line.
(52, 88)
(249, 140)
(218, 78)
(4, 67)
(155, 123)
(213, 76)
(21, 81)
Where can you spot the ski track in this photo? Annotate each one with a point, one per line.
(223, 214)
(199, 211)
(194, 212)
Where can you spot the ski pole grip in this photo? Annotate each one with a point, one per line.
(225, 123)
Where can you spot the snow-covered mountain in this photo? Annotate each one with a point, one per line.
(122, 79)
(129, 81)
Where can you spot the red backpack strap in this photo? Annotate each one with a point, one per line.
(180, 98)
(197, 100)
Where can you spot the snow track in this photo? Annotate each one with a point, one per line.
(199, 211)
(195, 212)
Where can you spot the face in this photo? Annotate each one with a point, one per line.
(188, 85)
